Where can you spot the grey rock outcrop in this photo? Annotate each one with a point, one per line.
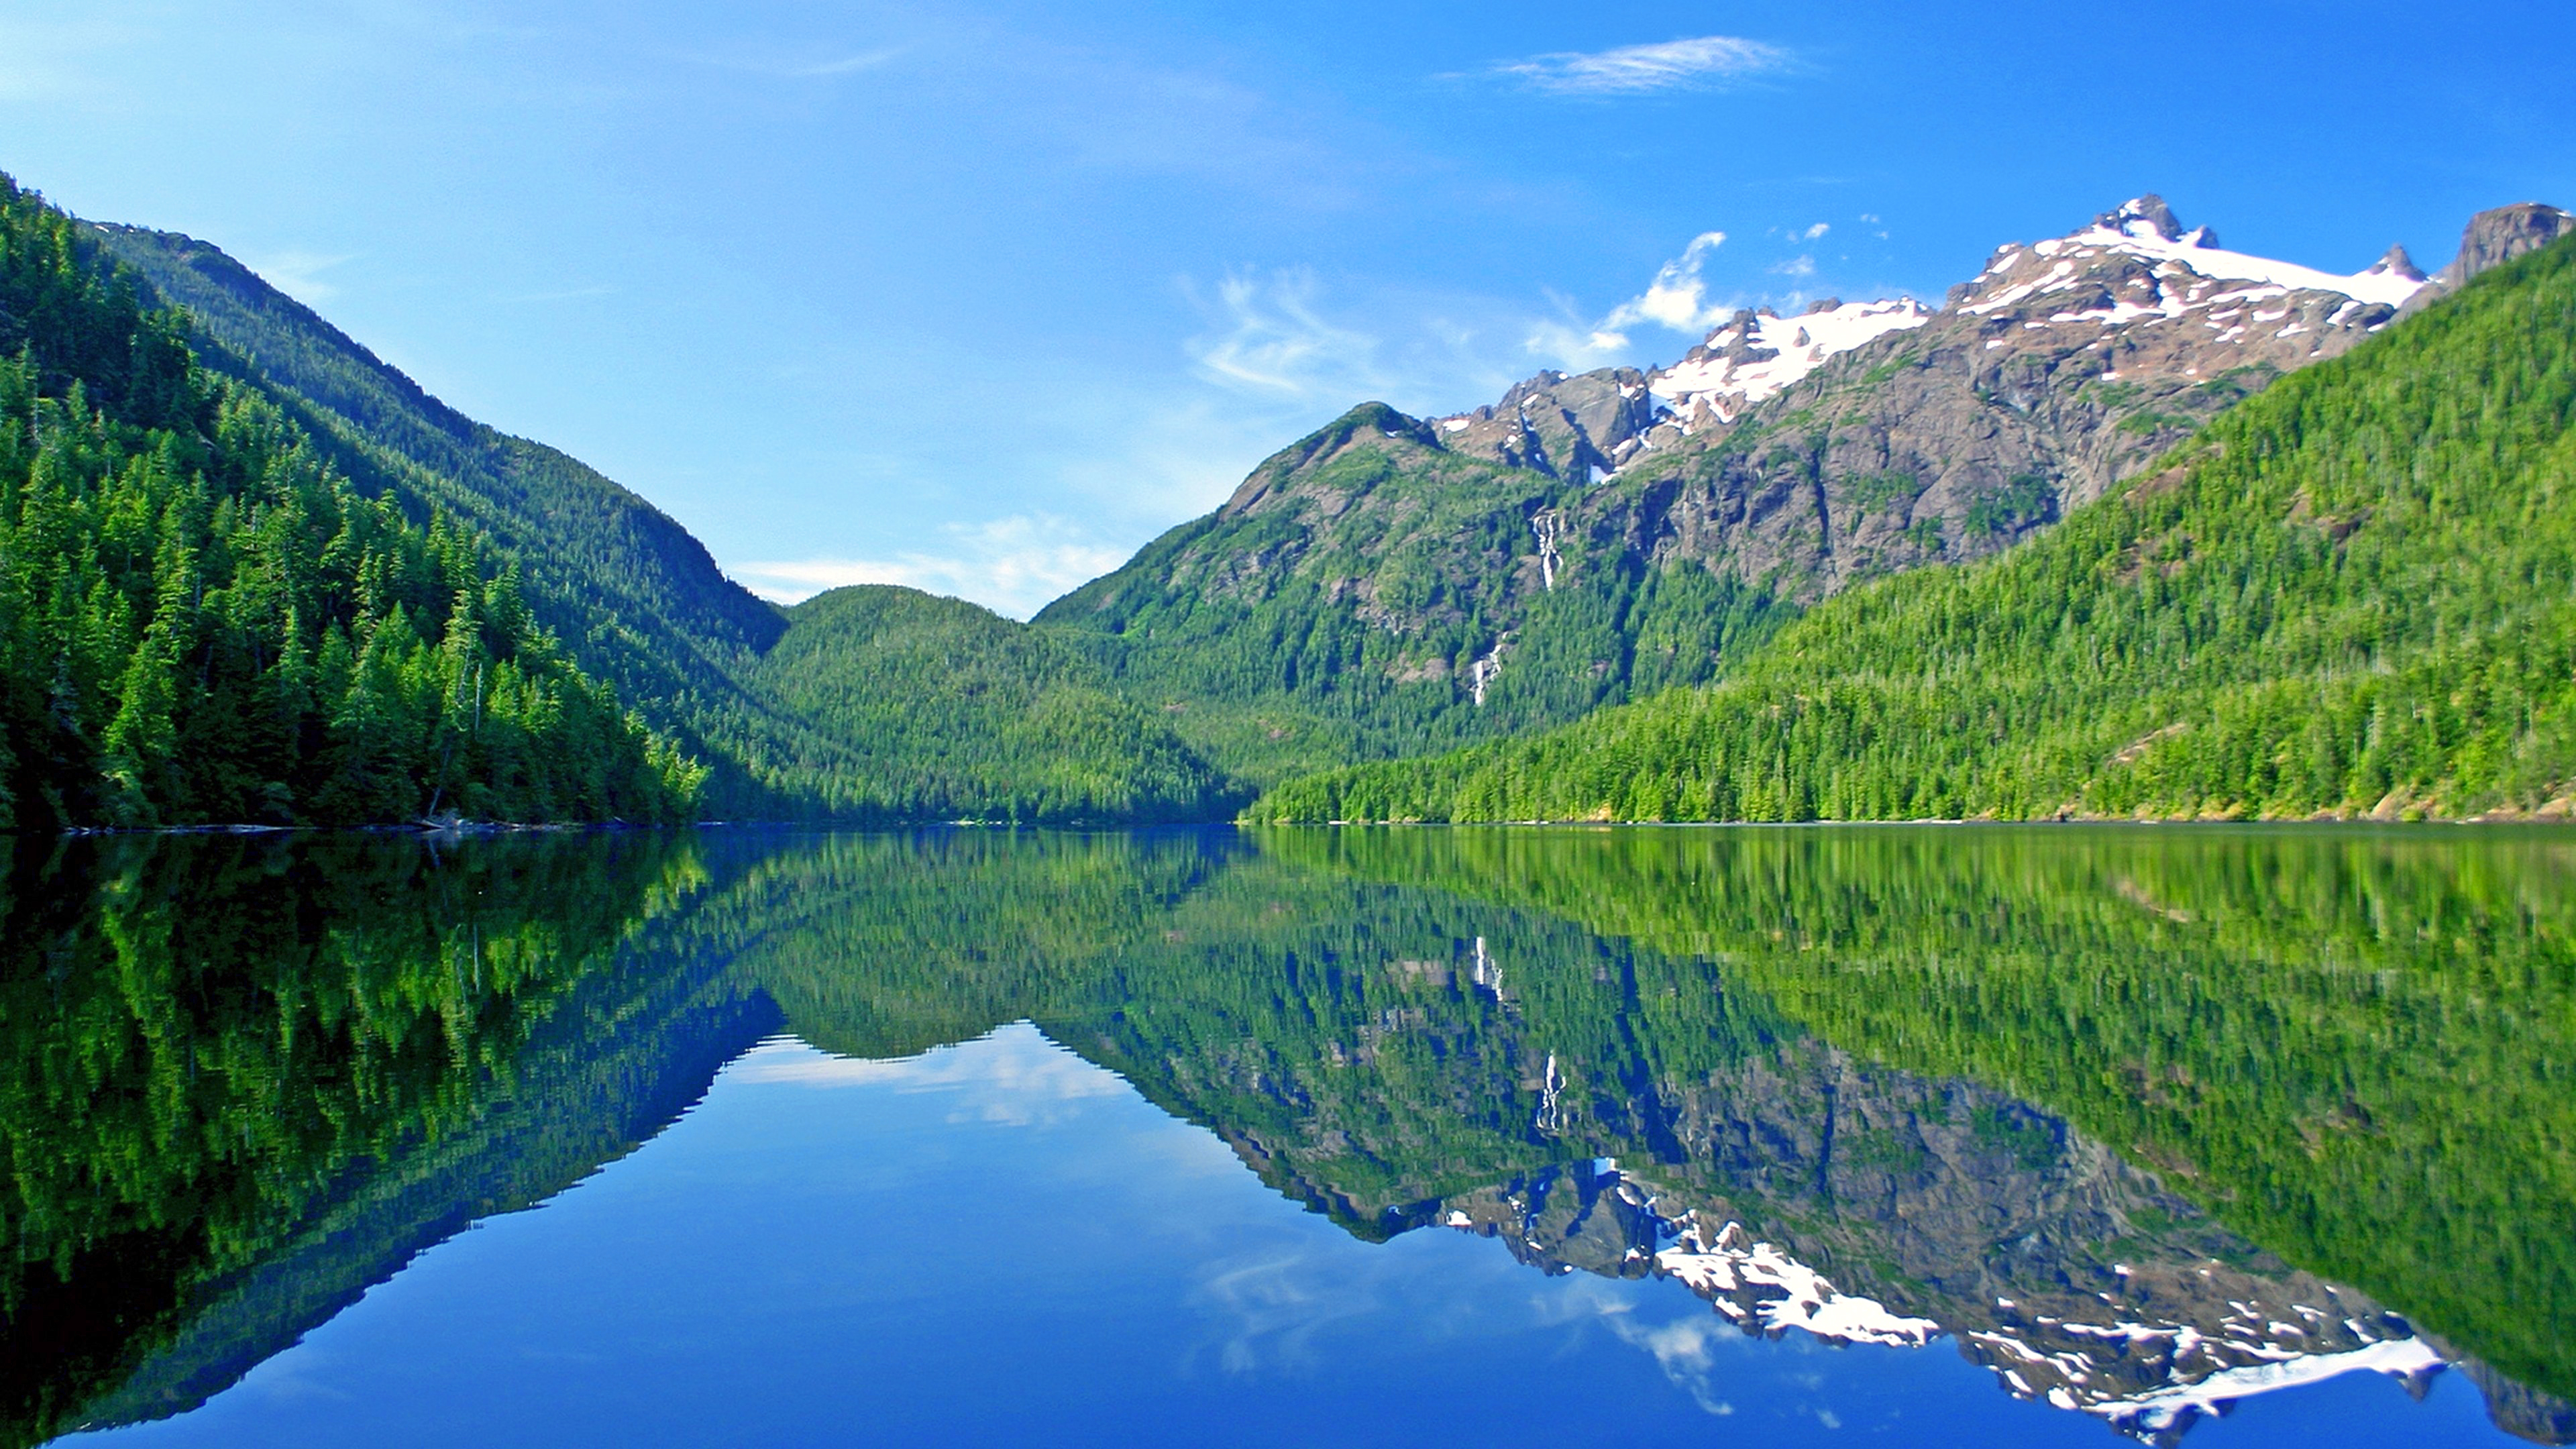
(1565, 427)
(2496, 237)
(2493, 238)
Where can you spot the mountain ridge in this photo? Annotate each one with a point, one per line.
(1395, 586)
(1593, 538)
(2346, 597)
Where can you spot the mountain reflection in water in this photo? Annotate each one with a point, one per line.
(2145, 1122)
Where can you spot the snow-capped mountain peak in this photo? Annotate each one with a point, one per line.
(2158, 238)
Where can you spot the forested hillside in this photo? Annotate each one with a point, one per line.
(2353, 594)
(953, 712)
(242, 1081)
(200, 620)
(808, 714)
(1392, 585)
(637, 601)
(1367, 594)
(2211, 642)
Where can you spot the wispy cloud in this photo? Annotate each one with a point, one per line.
(299, 274)
(1011, 1076)
(1676, 300)
(800, 62)
(1694, 64)
(846, 65)
(1273, 1305)
(1012, 565)
(1271, 339)
(50, 59)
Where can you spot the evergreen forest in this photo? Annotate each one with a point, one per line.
(965, 715)
(1267, 671)
(251, 574)
(201, 620)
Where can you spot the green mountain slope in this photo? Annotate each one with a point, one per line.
(200, 620)
(826, 712)
(953, 712)
(1368, 593)
(262, 1074)
(2355, 593)
(637, 600)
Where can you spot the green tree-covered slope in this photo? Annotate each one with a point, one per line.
(243, 1080)
(2353, 594)
(952, 712)
(803, 714)
(200, 620)
(1367, 593)
(637, 601)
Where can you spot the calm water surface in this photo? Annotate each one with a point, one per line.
(2045, 1136)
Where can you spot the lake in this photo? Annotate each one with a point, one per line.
(2002, 1136)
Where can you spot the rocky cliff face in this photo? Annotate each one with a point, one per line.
(2497, 237)
(1525, 562)
(1816, 452)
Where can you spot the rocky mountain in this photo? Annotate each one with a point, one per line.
(1599, 536)
(2497, 237)
(2346, 597)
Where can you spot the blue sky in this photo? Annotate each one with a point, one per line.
(982, 296)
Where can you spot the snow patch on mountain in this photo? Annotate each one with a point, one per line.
(2124, 230)
(1782, 1292)
(1759, 354)
(2163, 1409)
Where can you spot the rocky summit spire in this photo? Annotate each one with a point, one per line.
(2396, 264)
(2147, 211)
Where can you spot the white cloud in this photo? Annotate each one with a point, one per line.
(1012, 566)
(1676, 300)
(1795, 267)
(1012, 1076)
(1273, 1305)
(1819, 229)
(1686, 1347)
(1696, 63)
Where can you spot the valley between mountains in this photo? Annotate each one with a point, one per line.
(2129, 524)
